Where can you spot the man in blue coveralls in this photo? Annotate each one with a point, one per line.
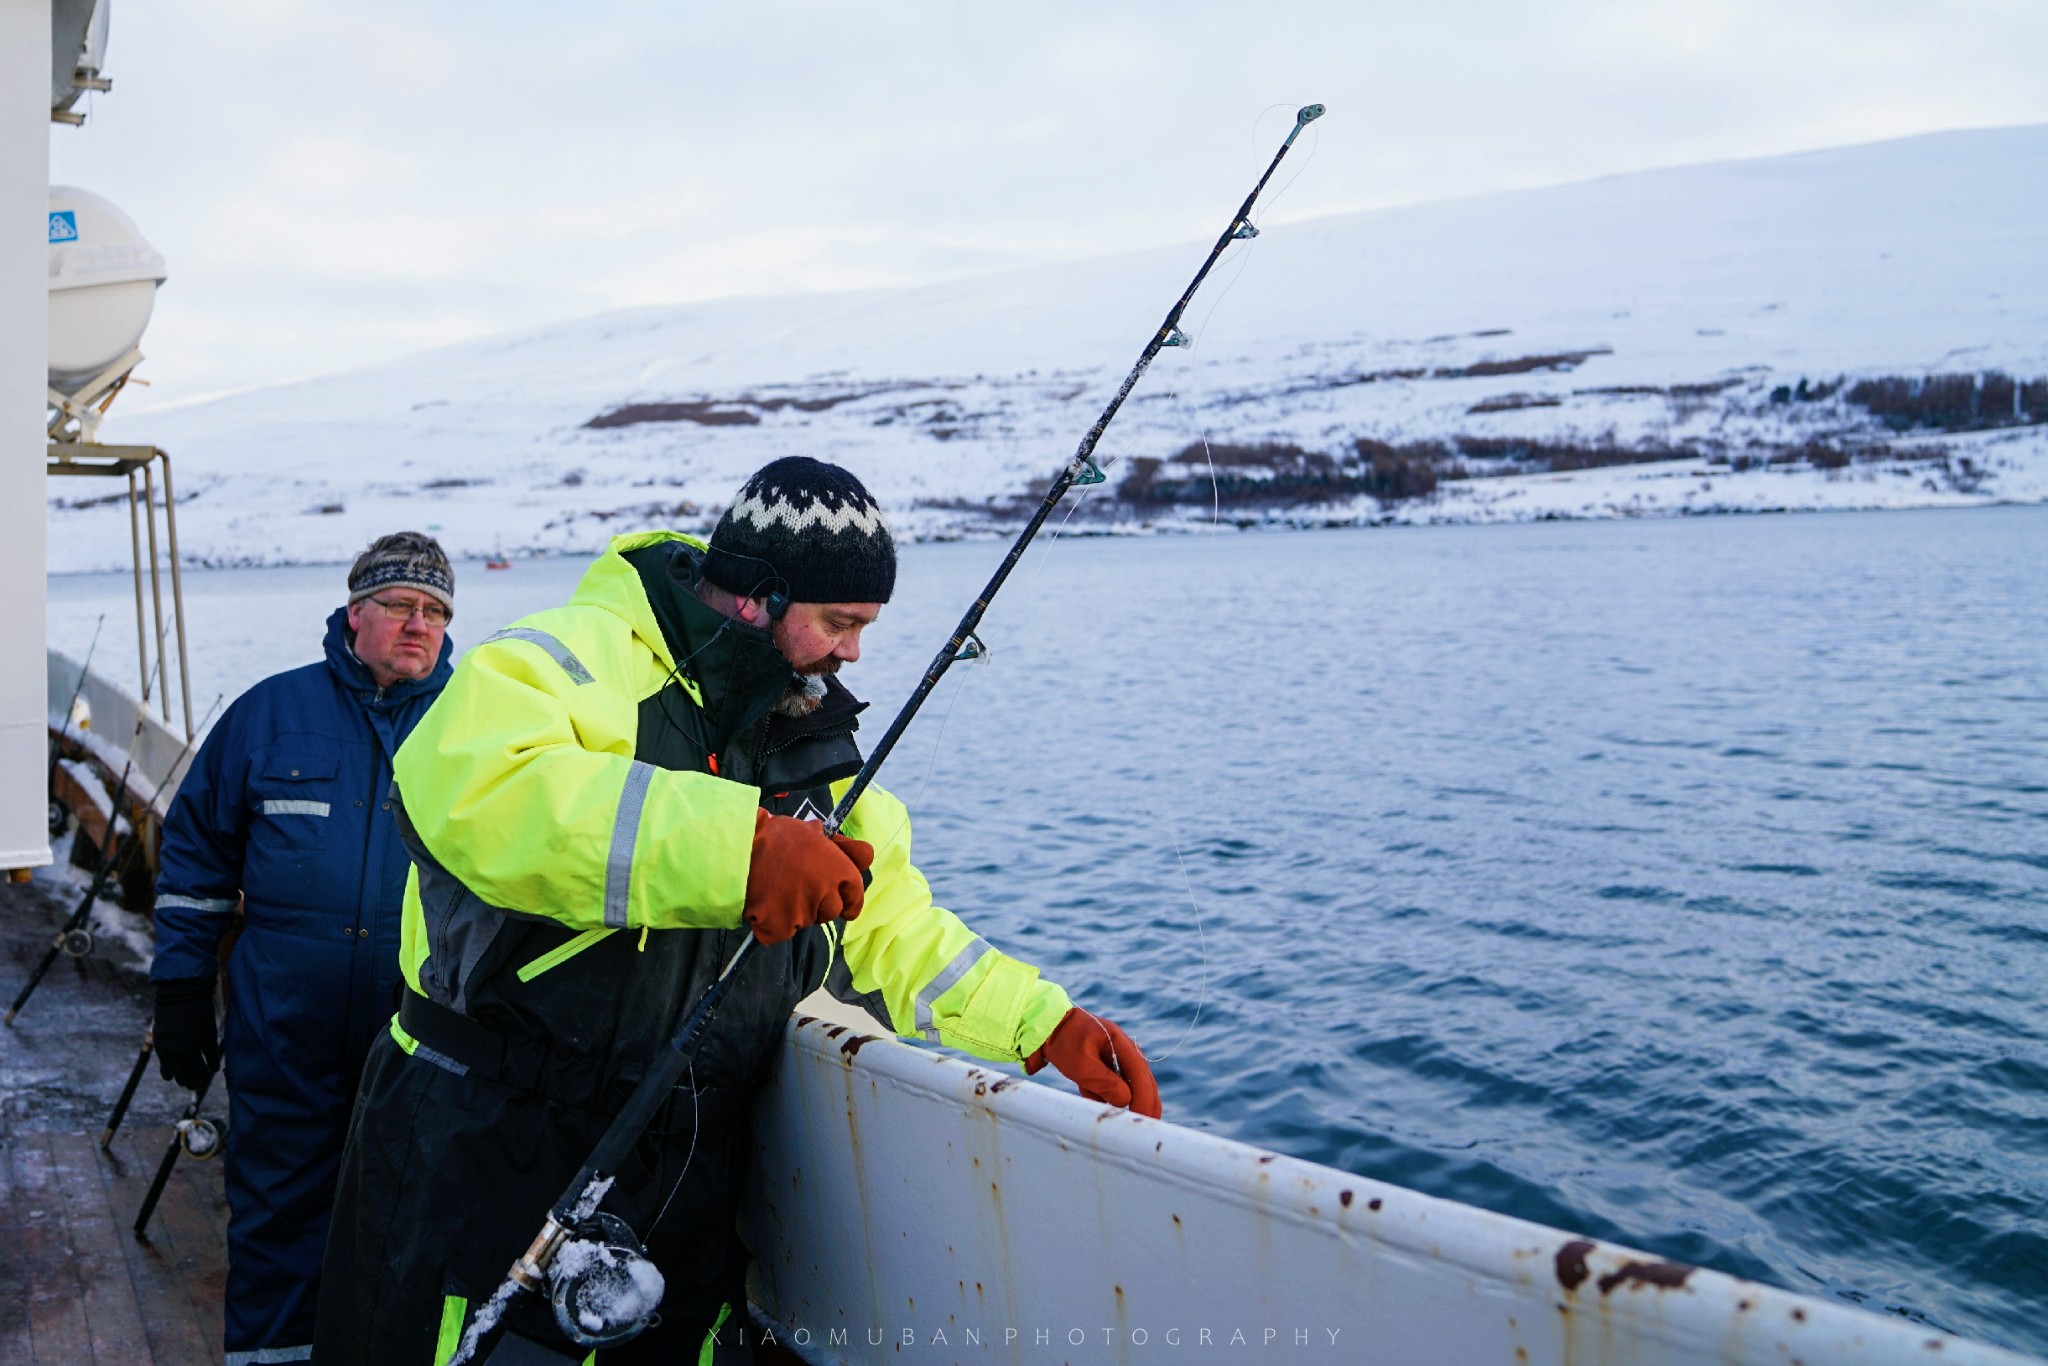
(286, 810)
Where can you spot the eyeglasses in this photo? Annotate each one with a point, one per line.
(432, 612)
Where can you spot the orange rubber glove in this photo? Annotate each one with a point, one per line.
(798, 878)
(1099, 1058)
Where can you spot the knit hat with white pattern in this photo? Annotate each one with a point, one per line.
(404, 559)
(807, 530)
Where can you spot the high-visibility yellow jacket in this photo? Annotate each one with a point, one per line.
(580, 865)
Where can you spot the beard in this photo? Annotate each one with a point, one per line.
(805, 693)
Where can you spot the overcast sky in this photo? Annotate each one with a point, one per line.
(336, 184)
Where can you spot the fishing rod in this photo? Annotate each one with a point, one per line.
(581, 1300)
(128, 1091)
(64, 728)
(73, 937)
(199, 1137)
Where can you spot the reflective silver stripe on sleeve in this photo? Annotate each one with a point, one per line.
(618, 867)
(439, 1059)
(278, 807)
(557, 651)
(270, 1356)
(949, 977)
(212, 906)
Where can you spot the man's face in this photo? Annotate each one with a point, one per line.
(818, 637)
(394, 639)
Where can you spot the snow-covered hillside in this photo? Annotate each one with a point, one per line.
(1650, 314)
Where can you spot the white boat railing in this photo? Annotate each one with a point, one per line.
(910, 1207)
(161, 754)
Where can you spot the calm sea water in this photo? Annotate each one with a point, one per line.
(1680, 882)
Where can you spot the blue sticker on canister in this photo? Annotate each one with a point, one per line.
(63, 225)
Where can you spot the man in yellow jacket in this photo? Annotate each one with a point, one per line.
(607, 796)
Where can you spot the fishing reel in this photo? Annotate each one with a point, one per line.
(200, 1138)
(603, 1287)
(76, 943)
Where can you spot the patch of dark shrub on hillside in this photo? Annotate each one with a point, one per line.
(705, 414)
(1393, 473)
(1706, 389)
(1962, 473)
(1509, 403)
(1529, 455)
(1270, 472)
(1345, 381)
(1822, 456)
(1522, 365)
(1682, 392)
(1952, 403)
(1806, 391)
(1278, 474)
(743, 411)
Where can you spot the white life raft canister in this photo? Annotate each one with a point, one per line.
(103, 280)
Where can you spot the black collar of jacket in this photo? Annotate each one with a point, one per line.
(814, 749)
(739, 673)
(836, 711)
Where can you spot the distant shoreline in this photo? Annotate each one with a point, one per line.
(1296, 519)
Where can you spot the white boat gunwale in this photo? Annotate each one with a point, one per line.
(891, 1177)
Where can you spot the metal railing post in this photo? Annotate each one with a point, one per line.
(141, 631)
(156, 586)
(177, 592)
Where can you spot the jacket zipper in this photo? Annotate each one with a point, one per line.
(561, 954)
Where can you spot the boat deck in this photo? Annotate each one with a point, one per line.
(76, 1286)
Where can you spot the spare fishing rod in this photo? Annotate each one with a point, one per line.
(199, 1137)
(64, 729)
(73, 937)
(128, 1091)
(574, 1216)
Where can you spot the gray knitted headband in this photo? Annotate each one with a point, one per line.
(404, 559)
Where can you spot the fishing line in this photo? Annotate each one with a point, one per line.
(1178, 400)
(1201, 938)
(1073, 508)
(1115, 1063)
(1264, 211)
(1173, 823)
(1175, 396)
(674, 1190)
(1315, 140)
(938, 746)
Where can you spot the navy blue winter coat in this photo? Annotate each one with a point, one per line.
(287, 806)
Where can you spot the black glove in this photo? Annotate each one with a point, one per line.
(187, 1041)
